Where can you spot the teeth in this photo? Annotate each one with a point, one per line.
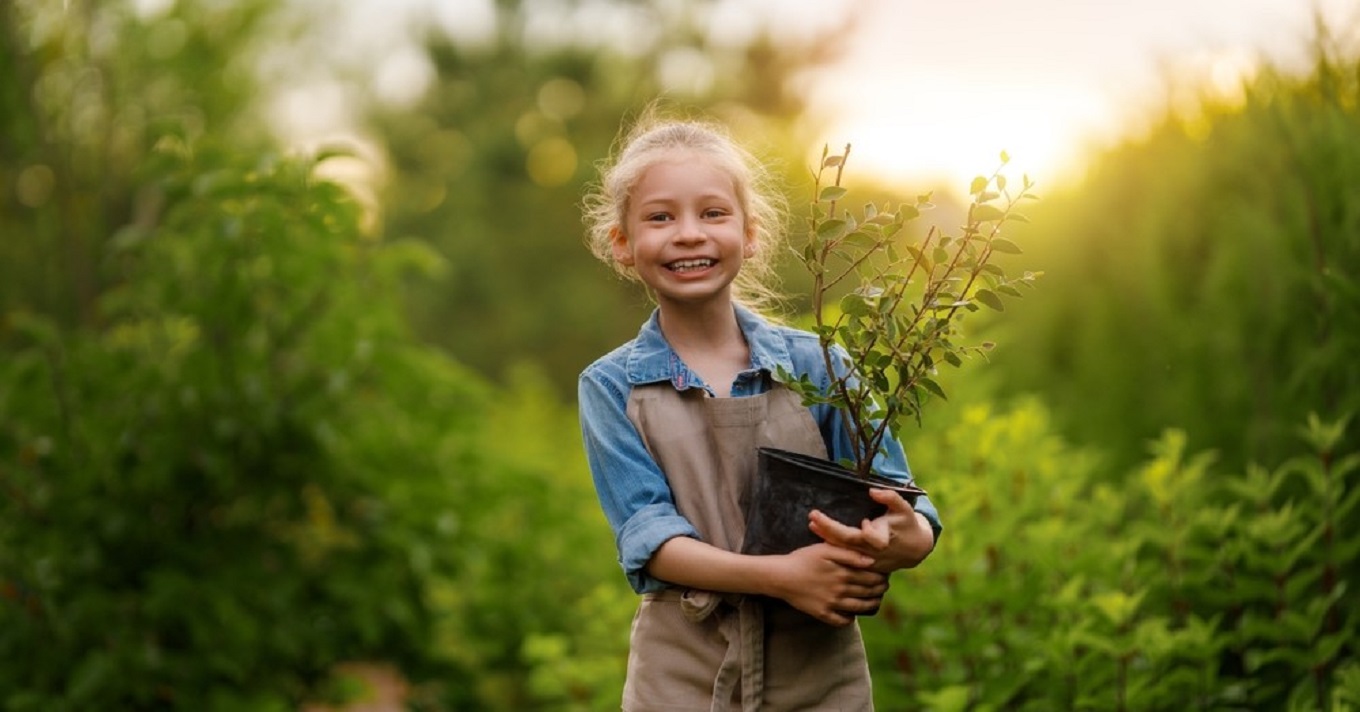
(684, 265)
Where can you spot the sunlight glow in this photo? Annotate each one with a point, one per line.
(943, 136)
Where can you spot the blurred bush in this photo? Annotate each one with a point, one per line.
(1203, 277)
(86, 90)
(488, 166)
(1183, 586)
(178, 521)
(231, 475)
(250, 474)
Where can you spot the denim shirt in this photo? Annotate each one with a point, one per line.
(632, 489)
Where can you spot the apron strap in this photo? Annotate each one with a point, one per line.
(744, 660)
(742, 625)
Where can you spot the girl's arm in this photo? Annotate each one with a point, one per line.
(824, 581)
(899, 539)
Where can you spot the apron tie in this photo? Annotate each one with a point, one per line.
(744, 660)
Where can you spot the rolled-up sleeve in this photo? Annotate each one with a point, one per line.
(633, 492)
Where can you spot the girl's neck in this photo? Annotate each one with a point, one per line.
(710, 326)
(710, 342)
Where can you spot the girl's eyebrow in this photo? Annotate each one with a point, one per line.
(671, 200)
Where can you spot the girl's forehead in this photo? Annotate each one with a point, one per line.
(663, 156)
(686, 165)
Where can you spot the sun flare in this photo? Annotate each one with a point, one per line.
(940, 138)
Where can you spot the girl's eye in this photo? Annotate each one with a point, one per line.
(713, 213)
(658, 217)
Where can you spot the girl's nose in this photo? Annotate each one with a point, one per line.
(690, 229)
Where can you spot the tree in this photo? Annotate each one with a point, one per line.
(489, 165)
(1220, 244)
(86, 89)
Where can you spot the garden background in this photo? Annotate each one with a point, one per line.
(286, 428)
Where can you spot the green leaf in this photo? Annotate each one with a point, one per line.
(334, 150)
(861, 240)
(1001, 244)
(920, 257)
(989, 298)
(832, 192)
(832, 161)
(831, 229)
(986, 213)
(978, 185)
(1118, 606)
(932, 386)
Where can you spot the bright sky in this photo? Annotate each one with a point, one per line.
(935, 89)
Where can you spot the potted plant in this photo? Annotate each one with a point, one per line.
(895, 322)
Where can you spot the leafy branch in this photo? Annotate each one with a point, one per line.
(900, 317)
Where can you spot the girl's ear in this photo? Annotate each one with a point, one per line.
(619, 242)
(748, 250)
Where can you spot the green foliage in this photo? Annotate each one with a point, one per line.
(230, 476)
(86, 89)
(173, 516)
(900, 318)
(539, 608)
(489, 165)
(1183, 588)
(1204, 276)
(250, 475)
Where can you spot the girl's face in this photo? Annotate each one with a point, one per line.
(685, 233)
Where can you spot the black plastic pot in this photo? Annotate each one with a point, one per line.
(789, 485)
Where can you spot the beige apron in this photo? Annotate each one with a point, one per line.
(697, 650)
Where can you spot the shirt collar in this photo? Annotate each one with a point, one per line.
(652, 358)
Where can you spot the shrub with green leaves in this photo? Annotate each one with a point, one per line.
(1202, 275)
(1184, 588)
(176, 530)
(250, 473)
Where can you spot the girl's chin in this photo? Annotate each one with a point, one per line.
(694, 297)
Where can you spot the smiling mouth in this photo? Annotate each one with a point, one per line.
(690, 265)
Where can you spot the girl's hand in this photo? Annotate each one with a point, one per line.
(829, 583)
(900, 539)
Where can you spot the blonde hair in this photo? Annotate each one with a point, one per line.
(650, 139)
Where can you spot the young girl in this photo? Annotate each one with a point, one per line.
(672, 421)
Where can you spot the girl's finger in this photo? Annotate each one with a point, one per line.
(875, 534)
(861, 605)
(892, 500)
(874, 591)
(848, 557)
(835, 618)
(868, 578)
(833, 531)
